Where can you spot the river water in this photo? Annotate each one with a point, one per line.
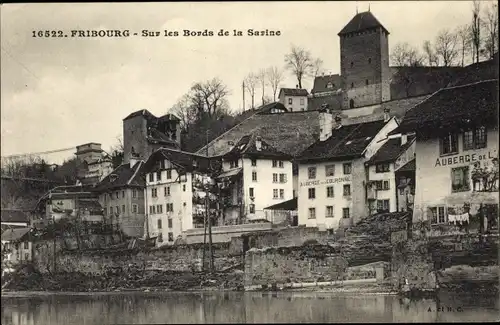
(238, 307)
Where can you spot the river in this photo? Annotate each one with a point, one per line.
(238, 307)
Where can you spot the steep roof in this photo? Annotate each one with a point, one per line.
(267, 108)
(390, 151)
(142, 112)
(361, 22)
(187, 161)
(157, 136)
(345, 143)
(14, 215)
(294, 92)
(289, 205)
(289, 132)
(15, 234)
(321, 82)
(455, 107)
(123, 176)
(247, 147)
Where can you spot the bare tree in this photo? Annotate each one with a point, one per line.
(251, 84)
(317, 66)
(299, 62)
(210, 96)
(476, 29)
(464, 35)
(404, 54)
(490, 24)
(261, 77)
(185, 110)
(275, 77)
(446, 47)
(430, 54)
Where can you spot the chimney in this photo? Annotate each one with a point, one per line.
(338, 122)
(387, 116)
(258, 143)
(325, 124)
(404, 139)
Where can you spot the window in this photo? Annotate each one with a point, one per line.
(275, 163)
(233, 163)
(151, 177)
(169, 174)
(382, 205)
(347, 168)
(379, 185)
(346, 214)
(117, 195)
(154, 192)
(352, 86)
(311, 192)
(329, 85)
(160, 238)
(123, 194)
(302, 101)
(438, 215)
(352, 64)
(448, 144)
(382, 168)
(329, 191)
(26, 245)
(170, 207)
(275, 193)
(282, 193)
(311, 172)
(329, 170)
(282, 178)
(170, 236)
(275, 178)
(123, 209)
(369, 60)
(159, 223)
(460, 179)
(347, 190)
(135, 208)
(329, 211)
(254, 162)
(290, 101)
(153, 209)
(254, 176)
(280, 164)
(250, 191)
(169, 223)
(386, 185)
(366, 82)
(26, 256)
(117, 209)
(134, 193)
(158, 175)
(184, 188)
(166, 190)
(475, 138)
(110, 210)
(312, 213)
(159, 208)
(252, 208)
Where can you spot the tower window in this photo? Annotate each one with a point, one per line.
(369, 60)
(352, 64)
(366, 82)
(351, 103)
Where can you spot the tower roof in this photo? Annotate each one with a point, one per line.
(360, 22)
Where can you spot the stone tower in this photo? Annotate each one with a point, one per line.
(364, 62)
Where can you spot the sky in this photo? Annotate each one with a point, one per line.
(62, 92)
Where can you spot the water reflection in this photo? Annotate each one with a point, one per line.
(151, 308)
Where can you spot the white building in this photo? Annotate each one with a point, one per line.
(332, 173)
(294, 99)
(254, 175)
(457, 156)
(176, 185)
(96, 164)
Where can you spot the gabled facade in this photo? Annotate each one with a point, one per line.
(294, 99)
(254, 175)
(457, 156)
(332, 173)
(177, 183)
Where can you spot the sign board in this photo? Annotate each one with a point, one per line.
(467, 158)
(326, 181)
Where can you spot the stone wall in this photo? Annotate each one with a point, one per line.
(285, 237)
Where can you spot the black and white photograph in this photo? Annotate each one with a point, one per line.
(249, 162)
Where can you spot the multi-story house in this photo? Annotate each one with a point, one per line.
(254, 175)
(294, 99)
(384, 187)
(95, 163)
(121, 194)
(457, 156)
(177, 183)
(332, 173)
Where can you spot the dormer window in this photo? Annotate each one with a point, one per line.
(113, 177)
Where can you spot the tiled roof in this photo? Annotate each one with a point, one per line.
(485, 70)
(294, 92)
(247, 147)
(123, 176)
(168, 117)
(408, 167)
(455, 107)
(265, 109)
(142, 112)
(321, 82)
(89, 204)
(289, 205)
(361, 22)
(347, 142)
(15, 234)
(13, 215)
(390, 151)
(182, 159)
(156, 135)
(287, 132)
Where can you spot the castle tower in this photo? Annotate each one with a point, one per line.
(364, 62)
